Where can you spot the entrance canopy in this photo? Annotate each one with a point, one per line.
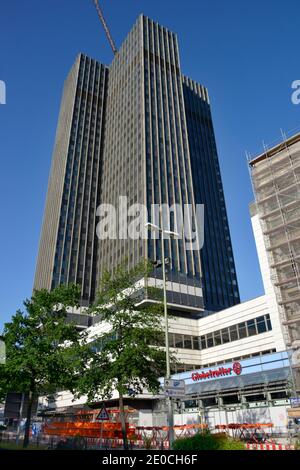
(239, 382)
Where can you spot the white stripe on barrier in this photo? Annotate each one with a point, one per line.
(269, 447)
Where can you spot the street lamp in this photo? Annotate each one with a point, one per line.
(163, 232)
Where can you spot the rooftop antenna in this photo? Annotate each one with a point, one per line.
(107, 32)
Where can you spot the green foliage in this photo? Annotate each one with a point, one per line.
(36, 361)
(208, 441)
(14, 446)
(147, 442)
(74, 443)
(297, 444)
(42, 350)
(129, 355)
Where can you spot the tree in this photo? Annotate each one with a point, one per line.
(37, 359)
(128, 358)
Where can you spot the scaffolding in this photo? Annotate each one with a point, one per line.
(275, 178)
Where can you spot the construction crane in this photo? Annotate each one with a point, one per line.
(107, 32)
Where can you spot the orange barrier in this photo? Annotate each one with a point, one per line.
(106, 430)
(244, 426)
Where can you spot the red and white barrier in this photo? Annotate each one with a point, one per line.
(269, 447)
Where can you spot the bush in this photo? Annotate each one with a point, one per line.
(207, 441)
(297, 444)
(147, 441)
(75, 443)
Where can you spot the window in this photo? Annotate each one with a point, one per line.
(178, 341)
(225, 335)
(233, 333)
(210, 340)
(171, 340)
(269, 325)
(217, 338)
(251, 327)
(242, 330)
(203, 342)
(261, 325)
(187, 342)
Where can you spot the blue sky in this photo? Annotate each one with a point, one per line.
(246, 53)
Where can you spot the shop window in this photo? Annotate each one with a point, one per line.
(190, 404)
(230, 399)
(279, 395)
(209, 402)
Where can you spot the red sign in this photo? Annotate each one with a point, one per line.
(237, 368)
(215, 373)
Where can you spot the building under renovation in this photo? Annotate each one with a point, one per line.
(276, 183)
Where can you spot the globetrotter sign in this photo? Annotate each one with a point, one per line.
(221, 372)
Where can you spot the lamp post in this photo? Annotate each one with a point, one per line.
(168, 367)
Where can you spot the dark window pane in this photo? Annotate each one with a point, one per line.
(187, 342)
(217, 338)
(233, 333)
(269, 322)
(210, 340)
(203, 342)
(261, 325)
(242, 330)
(196, 344)
(171, 340)
(225, 335)
(251, 327)
(178, 341)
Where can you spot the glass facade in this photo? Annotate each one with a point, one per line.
(219, 280)
(139, 130)
(146, 152)
(242, 330)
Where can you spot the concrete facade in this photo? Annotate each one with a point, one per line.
(68, 250)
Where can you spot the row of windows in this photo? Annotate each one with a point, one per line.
(226, 335)
(179, 368)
